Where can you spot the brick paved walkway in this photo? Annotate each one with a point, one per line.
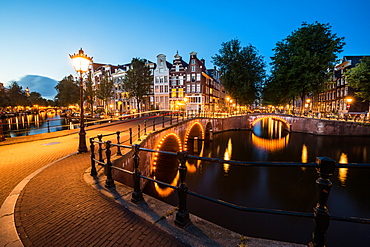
(57, 208)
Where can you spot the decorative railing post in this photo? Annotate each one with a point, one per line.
(138, 132)
(182, 216)
(163, 121)
(177, 116)
(100, 138)
(92, 148)
(137, 195)
(130, 136)
(145, 127)
(326, 167)
(118, 142)
(171, 118)
(154, 124)
(109, 183)
(48, 122)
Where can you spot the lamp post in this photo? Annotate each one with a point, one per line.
(81, 63)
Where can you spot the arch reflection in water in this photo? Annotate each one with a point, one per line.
(270, 134)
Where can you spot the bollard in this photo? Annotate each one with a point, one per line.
(137, 195)
(171, 118)
(48, 123)
(145, 127)
(163, 121)
(92, 148)
(177, 116)
(109, 183)
(182, 216)
(326, 167)
(118, 142)
(100, 138)
(130, 136)
(153, 124)
(138, 132)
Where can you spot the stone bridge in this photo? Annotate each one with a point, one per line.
(192, 135)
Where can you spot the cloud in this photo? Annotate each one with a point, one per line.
(43, 85)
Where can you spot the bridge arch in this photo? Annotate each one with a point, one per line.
(165, 166)
(278, 118)
(193, 138)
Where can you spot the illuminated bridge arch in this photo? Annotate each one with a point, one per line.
(194, 131)
(165, 166)
(278, 118)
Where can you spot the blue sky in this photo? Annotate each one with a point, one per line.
(36, 37)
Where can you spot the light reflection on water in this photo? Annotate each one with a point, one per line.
(281, 188)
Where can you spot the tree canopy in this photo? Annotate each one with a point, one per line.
(302, 60)
(138, 80)
(67, 91)
(359, 78)
(242, 70)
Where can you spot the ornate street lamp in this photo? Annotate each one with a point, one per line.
(81, 63)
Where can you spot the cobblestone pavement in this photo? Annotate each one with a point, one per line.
(57, 208)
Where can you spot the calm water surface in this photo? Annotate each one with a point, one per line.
(290, 189)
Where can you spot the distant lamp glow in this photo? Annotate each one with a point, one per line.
(349, 100)
(81, 63)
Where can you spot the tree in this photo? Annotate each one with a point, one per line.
(242, 70)
(17, 96)
(138, 80)
(36, 99)
(4, 99)
(303, 59)
(359, 78)
(68, 91)
(105, 90)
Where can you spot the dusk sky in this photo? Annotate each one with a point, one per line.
(37, 36)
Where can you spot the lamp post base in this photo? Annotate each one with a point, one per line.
(82, 148)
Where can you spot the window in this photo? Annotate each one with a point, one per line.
(157, 79)
(193, 61)
(188, 88)
(160, 79)
(198, 77)
(177, 68)
(193, 88)
(160, 70)
(198, 88)
(181, 93)
(188, 77)
(165, 79)
(193, 68)
(173, 81)
(192, 78)
(156, 89)
(181, 82)
(173, 93)
(161, 89)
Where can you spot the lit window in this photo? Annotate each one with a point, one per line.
(173, 92)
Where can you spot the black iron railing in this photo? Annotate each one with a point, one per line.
(325, 168)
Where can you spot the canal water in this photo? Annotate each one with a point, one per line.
(290, 189)
(31, 124)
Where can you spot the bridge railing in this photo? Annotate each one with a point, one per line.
(325, 168)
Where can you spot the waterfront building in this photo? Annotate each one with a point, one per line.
(121, 102)
(161, 83)
(338, 97)
(177, 77)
